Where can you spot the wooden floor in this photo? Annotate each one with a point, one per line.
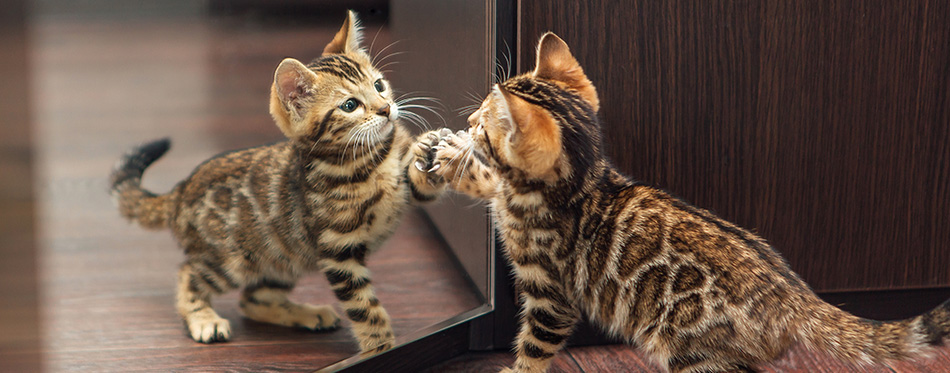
(621, 358)
(107, 287)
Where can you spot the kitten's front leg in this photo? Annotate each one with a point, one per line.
(424, 185)
(350, 281)
(546, 323)
(456, 161)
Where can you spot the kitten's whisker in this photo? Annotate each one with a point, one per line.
(383, 50)
(416, 119)
(373, 43)
(499, 72)
(467, 110)
(364, 146)
(359, 132)
(356, 143)
(455, 160)
(388, 56)
(418, 98)
(388, 64)
(406, 94)
(475, 98)
(459, 169)
(467, 160)
(507, 56)
(417, 106)
(346, 146)
(375, 140)
(423, 107)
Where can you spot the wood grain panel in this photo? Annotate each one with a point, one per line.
(822, 125)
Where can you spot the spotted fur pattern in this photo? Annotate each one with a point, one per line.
(695, 292)
(326, 198)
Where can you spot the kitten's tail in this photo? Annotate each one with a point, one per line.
(866, 341)
(135, 203)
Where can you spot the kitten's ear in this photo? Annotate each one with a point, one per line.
(555, 62)
(535, 140)
(291, 93)
(348, 39)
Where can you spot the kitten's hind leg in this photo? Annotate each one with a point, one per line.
(195, 288)
(267, 302)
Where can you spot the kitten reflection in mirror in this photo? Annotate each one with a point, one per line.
(694, 292)
(324, 199)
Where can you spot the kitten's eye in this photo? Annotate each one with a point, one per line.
(349, 105)
(380, 87)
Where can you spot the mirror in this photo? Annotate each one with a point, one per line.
(107, 75)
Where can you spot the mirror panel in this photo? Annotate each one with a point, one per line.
(458, 34)
(105, 78)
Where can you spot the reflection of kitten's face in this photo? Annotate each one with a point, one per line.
(339, 99)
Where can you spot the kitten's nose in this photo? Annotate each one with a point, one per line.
(384, 111)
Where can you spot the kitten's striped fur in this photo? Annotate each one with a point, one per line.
(324, 199)
(695, 292)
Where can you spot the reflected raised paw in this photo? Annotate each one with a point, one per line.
(424, 155)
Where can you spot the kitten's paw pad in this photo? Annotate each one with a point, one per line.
(319, 318)
(423, 149)
(423, 157)
(209, 329)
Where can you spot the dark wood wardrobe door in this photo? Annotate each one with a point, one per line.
(823, 126)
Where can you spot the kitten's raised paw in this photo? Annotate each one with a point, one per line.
(208, 328)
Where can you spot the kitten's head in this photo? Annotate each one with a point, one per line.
(542, 123)
(337, 97)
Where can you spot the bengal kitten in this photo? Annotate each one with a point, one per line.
(324, 199)
(695, 292)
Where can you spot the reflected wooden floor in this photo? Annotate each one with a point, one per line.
(107, 286)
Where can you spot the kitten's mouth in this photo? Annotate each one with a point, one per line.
(385, 125)
(382, 126)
